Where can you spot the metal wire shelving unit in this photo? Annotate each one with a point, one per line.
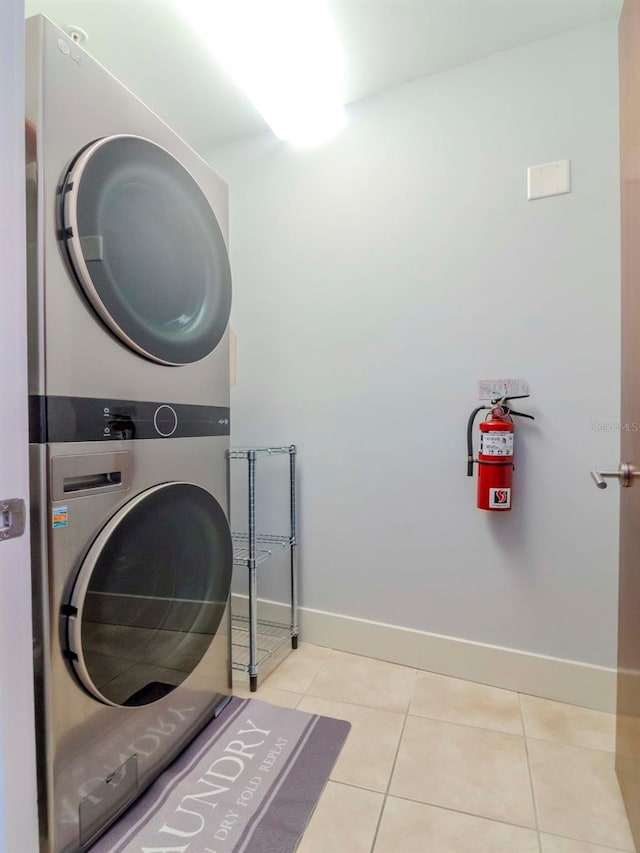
(255, 641)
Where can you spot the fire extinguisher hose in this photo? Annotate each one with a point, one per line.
(472, 418)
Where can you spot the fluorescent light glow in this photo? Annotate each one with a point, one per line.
(284, 54)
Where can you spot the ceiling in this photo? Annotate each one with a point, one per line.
(149, 46)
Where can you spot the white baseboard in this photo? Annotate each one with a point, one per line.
(538, 675)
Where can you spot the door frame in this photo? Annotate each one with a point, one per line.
(18, 798)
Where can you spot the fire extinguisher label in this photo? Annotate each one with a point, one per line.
(499, 498)
(496, 443)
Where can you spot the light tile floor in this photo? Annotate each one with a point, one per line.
(439, 765)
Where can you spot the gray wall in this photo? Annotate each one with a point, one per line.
(377, 278)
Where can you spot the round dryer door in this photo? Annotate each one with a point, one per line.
(147, 249)
(150, 595)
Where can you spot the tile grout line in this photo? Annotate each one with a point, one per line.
(477, 815)
(305, 692)
(393, 766)
(582, 841)
(564, 744)
(533, 790)
(317, 673)
(466, 725)
(384, 710)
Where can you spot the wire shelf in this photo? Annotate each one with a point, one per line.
(241, 556)
(241, 547)
(263, 538)
(243, 452)
(270, 638)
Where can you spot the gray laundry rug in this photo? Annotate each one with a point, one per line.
(248, 782)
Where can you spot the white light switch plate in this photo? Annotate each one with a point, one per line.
(489, 389)
(549, 179)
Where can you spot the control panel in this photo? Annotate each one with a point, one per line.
(67, 419)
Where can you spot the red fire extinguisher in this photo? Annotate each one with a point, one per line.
(495, 459)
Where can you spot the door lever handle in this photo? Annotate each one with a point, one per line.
(624, 475)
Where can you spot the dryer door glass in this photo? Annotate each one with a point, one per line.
(147, 249)
(150, 595)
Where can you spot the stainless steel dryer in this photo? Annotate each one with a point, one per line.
(133, 561)
(132, 284)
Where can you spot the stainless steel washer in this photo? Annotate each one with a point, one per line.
(133, 558)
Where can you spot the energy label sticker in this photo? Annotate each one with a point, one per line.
(59, 516)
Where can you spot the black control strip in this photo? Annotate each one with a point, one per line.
(70, 419)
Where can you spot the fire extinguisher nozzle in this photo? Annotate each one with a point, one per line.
(470, 466)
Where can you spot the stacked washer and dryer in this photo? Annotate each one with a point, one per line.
(130, 293)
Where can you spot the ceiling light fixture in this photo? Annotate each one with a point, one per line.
(286, 57)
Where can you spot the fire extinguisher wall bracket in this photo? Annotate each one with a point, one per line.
(495, 458)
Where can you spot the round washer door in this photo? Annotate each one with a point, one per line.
(150, 595)
(147, 249)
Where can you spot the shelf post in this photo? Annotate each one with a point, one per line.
(253, 583)
(293, 548)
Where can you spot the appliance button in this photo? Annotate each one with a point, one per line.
(165, 421)
(123, 427)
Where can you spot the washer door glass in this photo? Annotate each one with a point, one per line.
(147, 249)
(150, 595)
